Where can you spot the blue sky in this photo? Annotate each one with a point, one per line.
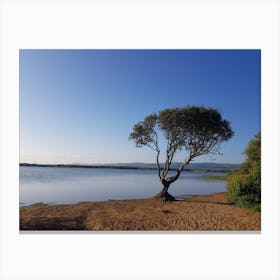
(79, 106)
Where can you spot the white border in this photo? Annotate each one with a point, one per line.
(139, 24)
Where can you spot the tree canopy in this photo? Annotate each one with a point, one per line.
(253, 154)
(194, 130)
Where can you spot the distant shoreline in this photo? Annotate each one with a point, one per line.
(119, 167)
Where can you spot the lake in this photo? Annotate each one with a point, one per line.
(65, 185)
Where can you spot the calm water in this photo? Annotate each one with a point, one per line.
(71, 185)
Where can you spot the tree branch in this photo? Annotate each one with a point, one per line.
(186, 162)
(158, 165)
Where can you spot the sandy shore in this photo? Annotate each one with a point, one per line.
(196, 213)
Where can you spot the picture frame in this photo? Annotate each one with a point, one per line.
(134, 25)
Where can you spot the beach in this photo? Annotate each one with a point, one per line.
(196, 213)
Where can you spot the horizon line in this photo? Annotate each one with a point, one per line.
(134, 162)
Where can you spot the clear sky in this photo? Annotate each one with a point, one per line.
(79, 106)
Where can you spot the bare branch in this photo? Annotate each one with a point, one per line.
(158, 165)
(186, 162)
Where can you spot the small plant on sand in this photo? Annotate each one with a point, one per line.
(193, 130)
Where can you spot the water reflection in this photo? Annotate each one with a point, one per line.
(70, 185)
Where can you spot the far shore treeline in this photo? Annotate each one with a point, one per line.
(199, 167)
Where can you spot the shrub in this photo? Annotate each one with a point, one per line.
(244, 190)
(244, 187)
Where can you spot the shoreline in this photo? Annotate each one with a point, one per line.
(196, 213)
(127, 167)
(178, 198)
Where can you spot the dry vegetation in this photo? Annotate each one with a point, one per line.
(198, 213)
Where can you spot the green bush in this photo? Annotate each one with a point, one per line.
(244, 190)
(244, 186)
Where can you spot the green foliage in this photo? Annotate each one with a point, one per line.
(144, 133)
(253, 155)
(244, 190)
(244, 187)
(196, 129)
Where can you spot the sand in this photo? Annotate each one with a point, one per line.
(197, 213)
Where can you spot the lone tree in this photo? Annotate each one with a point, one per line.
(192, 129)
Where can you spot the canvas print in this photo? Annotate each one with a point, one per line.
(140, 140)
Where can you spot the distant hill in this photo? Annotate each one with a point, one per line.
(175, 165)
(142, 165)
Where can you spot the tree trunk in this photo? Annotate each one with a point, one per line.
(164, 195)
